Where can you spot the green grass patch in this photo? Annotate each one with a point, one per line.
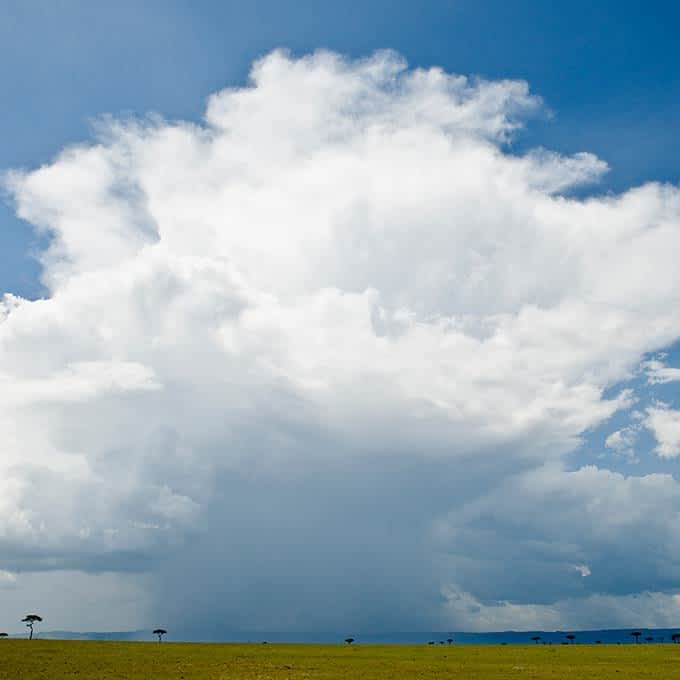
(60, 660)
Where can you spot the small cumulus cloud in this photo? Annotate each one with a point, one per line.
(664, 424)
(623, 442)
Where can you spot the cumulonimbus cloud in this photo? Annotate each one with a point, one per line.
(338, 297)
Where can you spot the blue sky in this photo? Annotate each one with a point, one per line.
(605, 69)
(341, 333)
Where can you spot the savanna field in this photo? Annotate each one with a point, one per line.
(58, 660)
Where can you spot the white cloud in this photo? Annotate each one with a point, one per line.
(658, 373)
(623, 441)
(342, 269)
(664, 423)
(618, 440)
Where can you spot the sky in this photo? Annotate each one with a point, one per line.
(324, 317)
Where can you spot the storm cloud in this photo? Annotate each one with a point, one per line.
(320, 362)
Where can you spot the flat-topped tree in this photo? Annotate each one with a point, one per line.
(3, 634)
(571, 637)
(160, 632)
(349, 641)
(30, 620)
(536, 638)
(636, 634)
(675, 637)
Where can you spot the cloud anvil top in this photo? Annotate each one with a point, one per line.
(330, 353)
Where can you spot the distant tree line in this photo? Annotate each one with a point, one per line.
(636, 635)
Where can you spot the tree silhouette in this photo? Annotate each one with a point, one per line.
(649, 638)
(598, 642)
(675, 637)
(30, 620)
(536, 638)
(160, 632)
(636, 634)
(449, 640)
(3, 634)
(571, 637)
(349, 641)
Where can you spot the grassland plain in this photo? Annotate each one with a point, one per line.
(59, 660)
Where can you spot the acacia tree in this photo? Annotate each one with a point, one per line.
(3, 634)
(636, 634)
(449, 640)
(349, 641)
(30, 620)
(571, 637)
(675, 637)
(536, 638)
(160, 632)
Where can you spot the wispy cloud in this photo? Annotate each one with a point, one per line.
(658, 373)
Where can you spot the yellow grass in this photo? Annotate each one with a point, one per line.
(47, 659)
